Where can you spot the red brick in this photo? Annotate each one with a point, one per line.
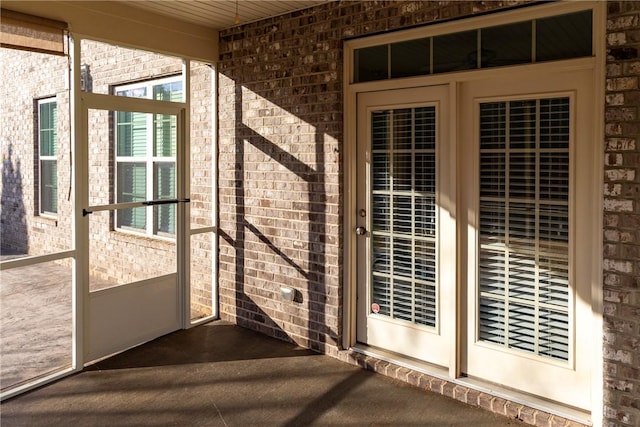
(542, 419)
(485, 401)
(498, 406)
(449, 389)
(460, 393)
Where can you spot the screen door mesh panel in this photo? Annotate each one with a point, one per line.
(403, 197)
(524, 226)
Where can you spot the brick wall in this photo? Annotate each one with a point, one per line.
(622, 217)
(33, 76)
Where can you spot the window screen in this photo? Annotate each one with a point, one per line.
(524, 225)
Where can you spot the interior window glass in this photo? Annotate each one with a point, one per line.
(371, 63)
(165, 188)
(410, 58)
(506, 45)
(132, 187)
(455, 52)
(48, 135)
(574, 30)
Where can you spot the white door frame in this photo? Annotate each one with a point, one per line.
(80, 103)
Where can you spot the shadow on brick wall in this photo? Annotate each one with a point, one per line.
(14, 236)
(310, 271)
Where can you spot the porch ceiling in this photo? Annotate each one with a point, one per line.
(186, 28)
(221, 14)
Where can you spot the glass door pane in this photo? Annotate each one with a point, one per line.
(524, 226)
(403, 171)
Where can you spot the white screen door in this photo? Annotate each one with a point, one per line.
(134, 211)
(404, 281)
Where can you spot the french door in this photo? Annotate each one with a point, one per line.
(528, 185)
(507, 250)
(405, 239)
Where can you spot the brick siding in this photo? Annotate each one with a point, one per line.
(280, 182)
(622, 217)
(22, 227)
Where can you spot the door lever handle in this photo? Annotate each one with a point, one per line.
(361, 231)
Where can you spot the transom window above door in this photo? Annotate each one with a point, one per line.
(145, 154)
(516, 43)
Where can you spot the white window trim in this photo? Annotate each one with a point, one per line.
(41, 211)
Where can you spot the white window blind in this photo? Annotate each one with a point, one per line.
(403, 171)
(524, 226)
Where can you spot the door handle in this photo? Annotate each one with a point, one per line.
(165, 202)
(129, 205)
(361, 231)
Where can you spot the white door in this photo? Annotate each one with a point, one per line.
(529, 191)
(134, 209)
(405, 233)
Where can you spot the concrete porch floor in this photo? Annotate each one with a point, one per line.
(220, 374)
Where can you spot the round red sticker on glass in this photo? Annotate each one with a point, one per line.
(375, 308)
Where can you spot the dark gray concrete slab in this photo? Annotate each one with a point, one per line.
(223, 375)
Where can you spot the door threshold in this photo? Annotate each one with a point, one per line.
(441, 373)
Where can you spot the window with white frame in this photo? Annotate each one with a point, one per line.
(48, 156)
(145, 150)
(523, 42)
